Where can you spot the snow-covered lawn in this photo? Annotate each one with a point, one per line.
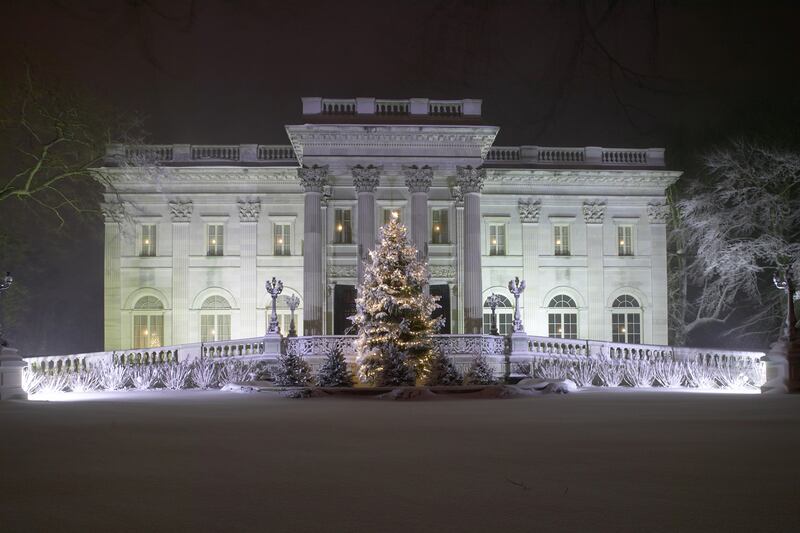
(215, 461)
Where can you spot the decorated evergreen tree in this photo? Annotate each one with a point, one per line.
(334, 371)
(393, 312)
(443, 371)
(292, 371)
(479, 373)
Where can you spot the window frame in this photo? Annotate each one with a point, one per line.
(562, 237)
(283, 248)
(442, 235)
(562, 313)
(343, 216)
(217, 248)
(625, 243)
(497, 248)
(149, 249)
(627, 320)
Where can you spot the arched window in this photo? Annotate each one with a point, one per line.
(505, 316)
(562, 318)
(215, 319)
(626, 320)
(285, 315)
(148, 322)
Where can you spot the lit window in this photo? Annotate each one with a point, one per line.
(626, 326)
(342, 226)
(282, 239)
(148, 248)
(625, 240)
(439, 226)
(215, 319)
(392, 211)
(497, 239)
(561, 239)
(562, 318)
(505, 316)
(148, 323)
(215, 239)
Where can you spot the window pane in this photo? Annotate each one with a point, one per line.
(439, 229)
(618, 328)
(625, 240)
(554, 328)
(148, 248)
(215, 239)
(156, 331)
(561, 239)
(570, 325)
(223, 327)
(343, 230)
(497, 239)
(282, 240)
(207, 328)
(504, 323)
(140, 332)
(634, 328)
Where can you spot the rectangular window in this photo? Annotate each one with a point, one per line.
(497, 239)
(387, 214)
(561, 239)
(343, 226)
(215, 328)
(562, 325)
(148, 331)
(282, 239)
(215, 239)
(439, 226)
(148, 248)
(626, 327)
(625, 240)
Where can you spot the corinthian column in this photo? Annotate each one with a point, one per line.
(418, 181)
(470, 181)
(365, 180)
(313, 180)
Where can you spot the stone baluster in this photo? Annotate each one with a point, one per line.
(313, 180)
(365, 181)
(470, 181)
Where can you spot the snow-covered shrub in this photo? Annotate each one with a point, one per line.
(391, 370)
(639, 373)
(83, 381)
(552, 369)
(204, 374)
(479, 372)
(334, 371)
(234, 372)
(259, 371)
(110, 376)
(669, 373)
(52, 383)
(175, 376)
(756, 373)
(144, 377)
(524, 369)
(700, 376)
(292, 371)
(31, 380)
(442, 371)
(610, 372)
(583, 372)
(731, 376)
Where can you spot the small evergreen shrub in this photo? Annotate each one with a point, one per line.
(334, 371)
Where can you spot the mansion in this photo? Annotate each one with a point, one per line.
(193, 232)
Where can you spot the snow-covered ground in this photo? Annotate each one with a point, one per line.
(216, 461)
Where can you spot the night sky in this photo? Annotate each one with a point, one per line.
(679, 74)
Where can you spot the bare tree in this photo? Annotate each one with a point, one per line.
(735, 231)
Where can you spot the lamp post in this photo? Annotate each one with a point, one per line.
(783, 359)
(4, 286)
(516, 287)
(293, 301)
(274, 288)
(493, 300)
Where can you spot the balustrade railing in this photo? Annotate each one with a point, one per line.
(332, 106)
(578, 156)
(215, 152)
(391, 107)
(233, 348)
(143, 155)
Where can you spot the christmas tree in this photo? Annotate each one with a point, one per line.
(393, 312)
(334, 371)
(443, 371)
(479, 373)
(292, 371)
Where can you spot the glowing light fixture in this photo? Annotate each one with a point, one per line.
(339, 227)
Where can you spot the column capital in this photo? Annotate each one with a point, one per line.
(470, 179)
(594, 211)
(529, 210)
(249, 211)
(113, 212)
(314, 178)
(658, 213)
(366, 179)
(180, 211)
(418, 179)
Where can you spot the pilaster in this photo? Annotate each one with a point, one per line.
(113, 214)
(248, 223)
(658, 215)
(529, 210)
(181, 213)
(593, 214)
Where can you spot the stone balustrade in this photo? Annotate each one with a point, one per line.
(391, 107)
(590, 156)
(173, 154)
(253, 347)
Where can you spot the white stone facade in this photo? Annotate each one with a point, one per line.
(307, 213)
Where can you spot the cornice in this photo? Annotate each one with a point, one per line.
(228, 175)
(660, 178)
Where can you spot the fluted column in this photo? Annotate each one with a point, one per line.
(181, 213)
(248, 223)
(529, 217)
(313, 180)
(470, 180)
(593, 214)
(418, 181)
(112, 294)
(365, 181)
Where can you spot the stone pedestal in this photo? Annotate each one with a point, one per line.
(782, 368)
(11, 365)
(519, 343)
(272, 344)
